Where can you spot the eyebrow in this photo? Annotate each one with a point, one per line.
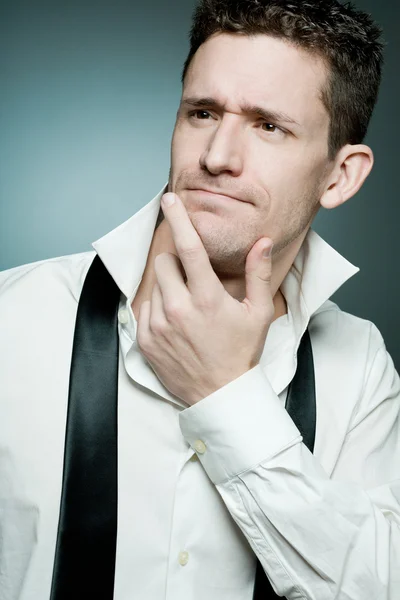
(266, 114)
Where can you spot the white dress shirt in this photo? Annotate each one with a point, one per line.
(204, 490)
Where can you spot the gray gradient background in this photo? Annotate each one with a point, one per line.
(88, 98)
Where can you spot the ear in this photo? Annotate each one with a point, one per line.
(352, 166)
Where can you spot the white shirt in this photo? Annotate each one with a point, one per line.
(205, 489)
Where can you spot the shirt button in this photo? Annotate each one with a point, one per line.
(199, 446)
(123, 316)
(183, 558)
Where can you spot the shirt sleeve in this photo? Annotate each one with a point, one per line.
(317, 537)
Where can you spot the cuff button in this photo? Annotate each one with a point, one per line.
(199, 446)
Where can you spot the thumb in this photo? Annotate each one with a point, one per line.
(258, 274)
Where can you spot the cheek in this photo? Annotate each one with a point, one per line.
(184, 140)
(291, 177)
(291, 192)
(185, 153)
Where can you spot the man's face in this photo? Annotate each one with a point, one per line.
(277, 166)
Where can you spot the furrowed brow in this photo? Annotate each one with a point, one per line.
(266, 114)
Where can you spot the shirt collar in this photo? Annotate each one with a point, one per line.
(317, 272)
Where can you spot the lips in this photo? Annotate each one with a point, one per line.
(219, 193)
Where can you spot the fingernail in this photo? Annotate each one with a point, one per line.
(267, 251)
(168, 199)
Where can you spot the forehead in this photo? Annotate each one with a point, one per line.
(260, 69)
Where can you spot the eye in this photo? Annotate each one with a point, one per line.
(271, 127)
(199, 111)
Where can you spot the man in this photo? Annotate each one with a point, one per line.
(213, 474)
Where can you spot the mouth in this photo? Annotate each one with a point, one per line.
(214, 196)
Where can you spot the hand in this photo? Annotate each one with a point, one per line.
(196, 336)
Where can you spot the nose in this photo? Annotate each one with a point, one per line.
(225, 148)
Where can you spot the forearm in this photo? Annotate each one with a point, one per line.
(316, 536)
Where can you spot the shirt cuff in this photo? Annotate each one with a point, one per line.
(239, 426)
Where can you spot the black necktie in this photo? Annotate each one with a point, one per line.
(84, 564)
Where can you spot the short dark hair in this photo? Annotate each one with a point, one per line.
(348, 40)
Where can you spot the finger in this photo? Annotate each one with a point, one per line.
(143, 333)
(171, 279)
(193, 255)
(258, 275)
(158, 318)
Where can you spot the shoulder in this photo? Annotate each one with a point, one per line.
(353, 350)
(38, 304)
(42, 294)
(63, 275)
(344, 331)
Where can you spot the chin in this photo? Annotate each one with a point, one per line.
(224, 257)
(210, 227)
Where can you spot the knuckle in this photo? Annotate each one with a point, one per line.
(206, 302)
(264, 277)
(158, 326)
(189, 252)
(175, 310)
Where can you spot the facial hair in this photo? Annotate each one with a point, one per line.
(228, 245)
